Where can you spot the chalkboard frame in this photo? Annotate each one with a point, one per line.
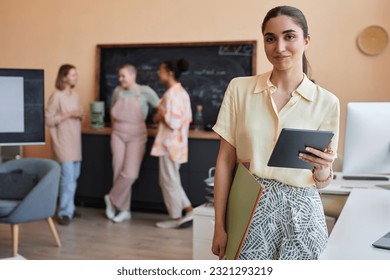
(229, 44)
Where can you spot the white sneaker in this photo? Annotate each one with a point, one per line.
(110, 209)
(186, 221)
(168, 224)
(122, 216)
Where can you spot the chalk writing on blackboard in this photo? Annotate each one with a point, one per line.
(245, 50)
(212, 66)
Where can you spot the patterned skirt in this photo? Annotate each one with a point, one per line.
(288, 224)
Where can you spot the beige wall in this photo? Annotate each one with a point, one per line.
(47, 33)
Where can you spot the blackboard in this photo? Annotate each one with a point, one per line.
(212, 66)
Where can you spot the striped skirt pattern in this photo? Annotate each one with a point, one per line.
(288, 224)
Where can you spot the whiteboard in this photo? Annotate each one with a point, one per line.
(11, 105)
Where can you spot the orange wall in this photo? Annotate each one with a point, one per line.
(47, 33)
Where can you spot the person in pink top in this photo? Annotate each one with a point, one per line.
(174, 116)
(129, 109)
(63, 117)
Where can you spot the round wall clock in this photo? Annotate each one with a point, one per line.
(372, 40)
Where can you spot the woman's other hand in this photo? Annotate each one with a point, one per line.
(76, 114)
(219, 243)
(159, 114)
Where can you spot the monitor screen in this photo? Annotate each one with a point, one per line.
(22, 115)
(367, 138)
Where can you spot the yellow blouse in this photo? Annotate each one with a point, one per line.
(249, 121)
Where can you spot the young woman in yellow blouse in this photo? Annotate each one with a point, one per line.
(289, 221)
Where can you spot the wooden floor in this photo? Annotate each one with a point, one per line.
(93, 237)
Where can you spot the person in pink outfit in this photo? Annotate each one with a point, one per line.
(174, 116)
(63, 117)
(129, 110)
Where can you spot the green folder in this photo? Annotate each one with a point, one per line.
(244, 195)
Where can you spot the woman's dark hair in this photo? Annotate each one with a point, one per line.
(62, 73)
(177, 67)
(298, 17)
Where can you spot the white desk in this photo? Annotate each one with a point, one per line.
(341, 186)
(364, 219)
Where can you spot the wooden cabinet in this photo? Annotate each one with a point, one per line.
(96, 172)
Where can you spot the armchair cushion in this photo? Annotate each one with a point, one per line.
(7, 206)
(16, 184)
(41, 201)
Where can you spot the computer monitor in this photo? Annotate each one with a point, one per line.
(367, 138)
(22, 115)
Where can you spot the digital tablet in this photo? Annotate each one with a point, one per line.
(291, 142)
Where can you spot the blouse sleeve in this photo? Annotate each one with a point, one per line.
(227, 117)
(53, 115)
(152, 97)
(115, 95)
(174, 116)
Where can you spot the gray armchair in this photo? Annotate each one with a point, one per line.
(39, 203)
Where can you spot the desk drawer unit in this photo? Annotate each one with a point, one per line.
(203, 229)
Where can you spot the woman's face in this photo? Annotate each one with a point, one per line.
(284, 43)
(71, 78)
(126, 78)
(163, 74)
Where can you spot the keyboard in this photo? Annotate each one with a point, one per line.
(387, 187)
(366, 178)
(383, 242)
